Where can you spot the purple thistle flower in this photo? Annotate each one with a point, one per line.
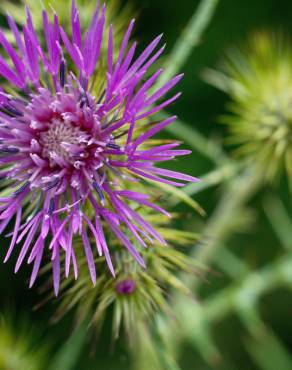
(67, 154)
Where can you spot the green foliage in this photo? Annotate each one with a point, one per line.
(70, 352)
(258, 73)
(18, 350)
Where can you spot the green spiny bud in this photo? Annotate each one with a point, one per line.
(258, 79)
(136, 294)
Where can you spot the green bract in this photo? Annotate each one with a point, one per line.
(147, 295)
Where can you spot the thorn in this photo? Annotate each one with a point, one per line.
(99, 191)
(9, 150)
(113, 146)
(21, 189)
(62, 74)
(51, 206)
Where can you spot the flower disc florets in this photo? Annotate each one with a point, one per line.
(64, 139)
(74, 141)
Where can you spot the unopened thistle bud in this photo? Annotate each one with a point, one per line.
(258, 79)
(136, 295)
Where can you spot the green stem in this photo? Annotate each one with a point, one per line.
(189, 38)
(208, 148)
(237, 194)
(213, 178)
(68, 355)
(182, 49)
(219, 228)
(255, 285)
(249, 291)
(280, 221)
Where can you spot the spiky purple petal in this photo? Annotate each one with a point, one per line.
(63, 150)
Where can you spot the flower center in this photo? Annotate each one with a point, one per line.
(62, 142)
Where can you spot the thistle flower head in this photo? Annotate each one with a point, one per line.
(258, 79)
(74, 141)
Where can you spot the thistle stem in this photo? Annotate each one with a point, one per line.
(189, 38)
(239, 191)
(212, 178)
(210, 149)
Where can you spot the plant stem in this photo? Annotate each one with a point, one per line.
(213, 178)
(254, 285)
(208, 148)
(237, 193)
(189, 38)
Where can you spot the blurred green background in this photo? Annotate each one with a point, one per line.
(238, 338)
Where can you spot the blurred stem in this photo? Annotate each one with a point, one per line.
(208, 148)
(264, 341)
(182, 49)
(165, 359)
(230, 263)
(280, 221)
(213, 178)
(238, 192)
(247, 291)
(69, 353)
(189, 38)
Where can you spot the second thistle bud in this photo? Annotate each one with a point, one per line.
(258, 79)
(125, 287)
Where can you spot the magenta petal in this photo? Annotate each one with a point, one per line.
(37, 261)
(104, 245)
(27, 243)
(89, 256)
(122, 237)
(154, 130)
(15, 233)
(173, 174)
(70, 157)
(56, 271)
(76, 30)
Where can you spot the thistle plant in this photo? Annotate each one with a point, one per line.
(170, 330)
(74, 140)
(258, 79)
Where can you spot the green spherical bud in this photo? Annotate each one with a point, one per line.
(258, 78)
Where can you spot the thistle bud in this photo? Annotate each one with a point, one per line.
(136, 294)
(258, 79)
